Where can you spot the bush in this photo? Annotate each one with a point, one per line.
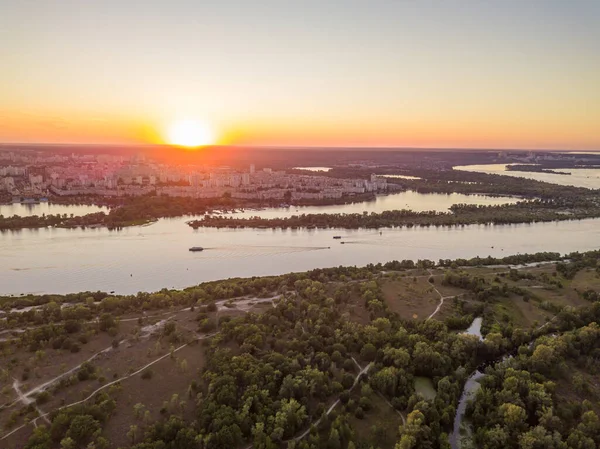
(42, 397)
(212, 307)
(364, 403)
(147, 374)
(359, 413)
(66, 344)
(345, 397)
(72, 326)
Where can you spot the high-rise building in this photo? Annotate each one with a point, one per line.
(252, 169)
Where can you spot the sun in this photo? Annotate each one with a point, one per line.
(190, 134)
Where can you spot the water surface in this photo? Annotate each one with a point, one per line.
(148, 258)
(321, 169)
(471, 387)
(27, 210)
(419, 202)
(579, 177)
(475, 328)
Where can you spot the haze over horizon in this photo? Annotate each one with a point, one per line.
(345, 73)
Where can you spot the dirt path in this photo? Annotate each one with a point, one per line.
(442, 298)
(362, 371)
(384, 398)
(45, 415)
(52, 381)
(21, 397)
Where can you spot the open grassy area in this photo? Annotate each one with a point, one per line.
(424, 387)
(410, 297)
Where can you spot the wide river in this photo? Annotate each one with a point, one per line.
(149, 258)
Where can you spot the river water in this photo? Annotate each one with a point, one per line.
(579, 177)
(148, 258)
(404, 200)
(27, 210)
(469, 390)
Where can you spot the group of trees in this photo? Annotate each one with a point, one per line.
(531, 401)
(460, 214)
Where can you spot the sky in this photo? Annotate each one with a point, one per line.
(372, 73)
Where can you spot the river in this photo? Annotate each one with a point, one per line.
(579, 177)
(148, 258)
(469, 390)
(28, 210)
(404, 200)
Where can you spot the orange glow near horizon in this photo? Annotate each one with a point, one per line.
(287, 132)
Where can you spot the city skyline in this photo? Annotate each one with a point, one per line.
(360, 74)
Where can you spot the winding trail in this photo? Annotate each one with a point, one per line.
(45, 415)
(362, 371)
(442, 298)
(52, 381)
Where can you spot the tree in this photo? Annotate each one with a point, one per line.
(132, 433)
(368, 352)
(138, 410)
(82, 428)
(67, 443)
(334, 440)
(514, 417)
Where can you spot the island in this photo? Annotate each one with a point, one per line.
(534, 169)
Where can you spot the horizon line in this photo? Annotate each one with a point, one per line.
(294, 147)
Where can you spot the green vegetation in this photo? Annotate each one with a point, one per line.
(459, 215)
(545, 396)
(329, 364)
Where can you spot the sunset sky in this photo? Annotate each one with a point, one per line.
(482, 74)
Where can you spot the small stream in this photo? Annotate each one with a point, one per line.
(471, 387)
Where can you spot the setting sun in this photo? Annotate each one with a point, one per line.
(190, 134)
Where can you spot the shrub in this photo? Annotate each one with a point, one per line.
(359, 413)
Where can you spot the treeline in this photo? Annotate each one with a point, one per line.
(460, 215)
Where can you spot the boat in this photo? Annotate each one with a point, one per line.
(196, 248)
(337, 236)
